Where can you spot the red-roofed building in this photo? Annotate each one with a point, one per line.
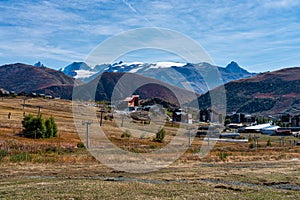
(133, 101)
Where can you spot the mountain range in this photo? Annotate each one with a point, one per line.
(265, 93)
(117, 86)
(23, 78)
(183, 75)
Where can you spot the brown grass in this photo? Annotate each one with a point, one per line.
(62, 171)
(66, 149)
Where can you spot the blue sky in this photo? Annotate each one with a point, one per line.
(259, 35)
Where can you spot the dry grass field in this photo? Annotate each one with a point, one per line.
(57, 169)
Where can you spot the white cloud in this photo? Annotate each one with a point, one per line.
(227, 29)
(28, 49)
(281, 3)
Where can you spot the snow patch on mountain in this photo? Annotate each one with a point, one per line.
(132, 63)
(166, 65)
(184, 75)
(83, 74)
(134, 70)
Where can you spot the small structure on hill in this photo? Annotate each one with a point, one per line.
(4, 92)
(210, 115)
(133, 102)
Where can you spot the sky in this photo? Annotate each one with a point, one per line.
(260, 35)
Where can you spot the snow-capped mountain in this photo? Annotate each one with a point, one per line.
(78, 70)
(138, 67)
(184, 75)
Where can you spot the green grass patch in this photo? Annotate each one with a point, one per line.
(3, 153)
(21, 157)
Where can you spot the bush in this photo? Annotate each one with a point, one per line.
(250, 138)
(269, 144)
(51, 149)
(126, 134)
(51, 128)
(160, 135)
(153, 146)
(80, 145)
(227, 121)
(3, 153)
(222, 155)
(37, 127)
(34, 127)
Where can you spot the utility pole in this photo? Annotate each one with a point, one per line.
(58, 143)
(101, 115)
(122, 123)
(24, 99)
(87, 123)
(208, 141)
(39, 110)
(256, 141)
(189, 136)
(35, 145)
(189, 140)
(9, 117)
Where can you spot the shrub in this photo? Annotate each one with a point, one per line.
(153, 146)
(160, 135)
(37, 127)
(51, 128)
(34, 127)
(80, 145)
(51, 149)
(250, 138)
(269, 144)
(126, 134)
(222, 155)
(3, 153)
(227, 121)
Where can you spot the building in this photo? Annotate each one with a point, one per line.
(209, 115)
(4, 92)
(270, 130)
(296, 121)
(179, 116)
(255, 128)
(240, 118)
(133, 102)
(286, 119)
(290, 120)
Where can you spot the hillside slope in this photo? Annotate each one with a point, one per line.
(109, 84)
(266, 93)
(27, 78)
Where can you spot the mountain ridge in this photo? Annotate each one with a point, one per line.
(266, 93)
(183, 75)
(21, 77)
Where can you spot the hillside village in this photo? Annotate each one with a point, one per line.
(277, 125)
